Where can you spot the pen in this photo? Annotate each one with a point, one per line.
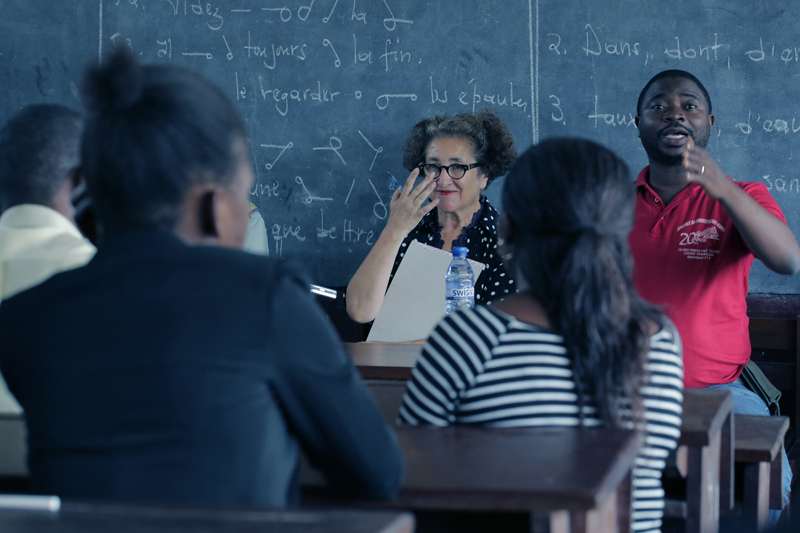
(396, 183)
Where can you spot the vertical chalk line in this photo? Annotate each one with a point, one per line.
(100, 42)
(533, 24)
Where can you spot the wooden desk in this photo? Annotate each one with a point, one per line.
(384, 360)
(707, 433)
(96, 518)
(774, 337)
(706, 429)
(532, 469)
(579, 476)
(574, 475)
(758, 443)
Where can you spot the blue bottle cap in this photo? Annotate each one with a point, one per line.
(460, 251)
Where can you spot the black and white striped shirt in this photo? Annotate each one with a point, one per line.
(484, 367)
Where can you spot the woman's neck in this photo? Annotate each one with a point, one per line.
(524, 308)
(453, 221)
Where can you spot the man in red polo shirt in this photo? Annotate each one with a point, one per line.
(696, 234)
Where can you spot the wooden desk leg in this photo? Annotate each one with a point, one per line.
(756, 496)
(776, 482)
(600, 520)
(727, 466)
(578, 522)
(557, 522)
(702, 488)
(625, 503)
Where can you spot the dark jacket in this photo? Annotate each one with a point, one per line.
(168, 373)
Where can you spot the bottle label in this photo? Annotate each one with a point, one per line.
(463, 293)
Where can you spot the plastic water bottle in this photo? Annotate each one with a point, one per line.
(459, 292)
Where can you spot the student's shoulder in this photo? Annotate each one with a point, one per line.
(665, 343)
(254, 268)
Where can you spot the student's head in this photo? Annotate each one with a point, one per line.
(164, 148)
(39, 157)
(567, 211)
(672, 107)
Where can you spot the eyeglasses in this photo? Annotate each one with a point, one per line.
(455, 171)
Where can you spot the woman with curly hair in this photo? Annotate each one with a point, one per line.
(458, 157)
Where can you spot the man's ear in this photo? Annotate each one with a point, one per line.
(207, 214)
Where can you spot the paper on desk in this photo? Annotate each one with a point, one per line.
(414, 302)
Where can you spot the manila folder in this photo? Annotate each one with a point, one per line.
(414, 302)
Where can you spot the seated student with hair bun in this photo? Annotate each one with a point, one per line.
(577, 345)
(175, 368)
(457, 156)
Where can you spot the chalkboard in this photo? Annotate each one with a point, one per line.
(330, 88)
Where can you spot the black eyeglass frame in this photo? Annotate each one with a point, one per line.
(466, 168)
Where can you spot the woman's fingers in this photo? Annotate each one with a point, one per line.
(409, 185)
(428, 208)
(424, 193)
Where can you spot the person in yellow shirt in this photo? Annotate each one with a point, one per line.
(39, 158)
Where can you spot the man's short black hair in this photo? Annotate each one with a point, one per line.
(672, 74)
(39, 147)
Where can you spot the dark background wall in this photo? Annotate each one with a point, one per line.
(330, 88)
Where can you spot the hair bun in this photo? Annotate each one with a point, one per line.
(116, 83)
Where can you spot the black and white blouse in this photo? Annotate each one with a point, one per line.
(484, 367)
(480, 239)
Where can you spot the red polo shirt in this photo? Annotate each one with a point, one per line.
(691, 260)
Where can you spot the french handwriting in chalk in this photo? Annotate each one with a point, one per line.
(283, 148)
(377, 150)
(167, 50)
(379, 209)
(310, 198)
(335, 144)
(322, 231)
(390, 22)
(338, 62)
(326, 19)
(241, 91)
(349, 192)
(207, 55)
(383, 100)
(230, 54)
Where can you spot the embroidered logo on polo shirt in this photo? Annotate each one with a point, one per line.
(692, 242)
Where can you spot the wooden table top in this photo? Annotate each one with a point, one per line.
(525, 469)
(384, 360)
(755, 437)
(704, 412)
(520, 469)
(103, 518)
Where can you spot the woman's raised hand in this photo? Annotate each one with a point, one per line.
(406, 209)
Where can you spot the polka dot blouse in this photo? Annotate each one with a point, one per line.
(480, 238)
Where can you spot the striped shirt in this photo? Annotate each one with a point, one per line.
(484, 367)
